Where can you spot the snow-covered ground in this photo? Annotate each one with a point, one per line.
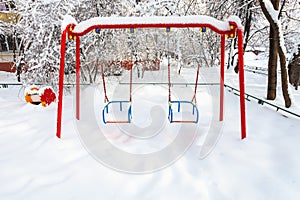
(34, 164)
(256, 83)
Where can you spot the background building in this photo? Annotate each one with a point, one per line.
(8, 17)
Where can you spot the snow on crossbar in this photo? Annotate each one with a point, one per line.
(221, 27)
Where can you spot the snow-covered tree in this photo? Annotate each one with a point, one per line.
(277, 49)
(39, 29)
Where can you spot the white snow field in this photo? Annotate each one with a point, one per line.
(34, 164)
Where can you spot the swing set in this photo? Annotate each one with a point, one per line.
(120, 103)
(179, 103)
(73, 31)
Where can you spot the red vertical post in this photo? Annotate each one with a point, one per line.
(77, 78)
(242, 83)
(61, 82)
(169, 65)
(222, 77)
(130, 85)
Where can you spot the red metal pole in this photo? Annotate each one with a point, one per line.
(222, 77)
(61, 82)
(130, 86)
(77, 78)
(194, 99)
(104, 86)
(242, 83)
(169, 67)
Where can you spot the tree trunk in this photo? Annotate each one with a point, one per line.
(284, 78)
(272, 65)
(247, 27)
(280, 51)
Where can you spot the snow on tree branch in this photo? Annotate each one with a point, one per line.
(274, 15)
(270, 8)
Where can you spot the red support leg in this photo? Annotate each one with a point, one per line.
(130, 86)
(242, 83)
(61, 82)
(169, 80)
(222, 77)
(77, 78)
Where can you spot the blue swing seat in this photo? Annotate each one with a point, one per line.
(195, 112)
(105, 111)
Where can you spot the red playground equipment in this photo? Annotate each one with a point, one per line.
(230, 28)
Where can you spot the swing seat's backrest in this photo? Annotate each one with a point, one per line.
(117, 112)
(185, 117)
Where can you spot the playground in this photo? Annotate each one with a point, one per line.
(163, 136)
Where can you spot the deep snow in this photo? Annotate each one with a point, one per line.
(34, 164)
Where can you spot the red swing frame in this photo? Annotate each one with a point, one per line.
(123, 23)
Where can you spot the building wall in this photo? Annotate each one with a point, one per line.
(6, 62)
(7, 67)
(8, 15)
